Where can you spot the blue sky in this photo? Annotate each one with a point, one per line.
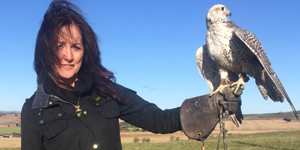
(150, 45)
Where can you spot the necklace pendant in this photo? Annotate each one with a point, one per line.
(78, 108)
(78, 111)
(79, 114)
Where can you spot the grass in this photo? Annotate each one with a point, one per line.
(284, 140)
(4, 130)
(287, 140)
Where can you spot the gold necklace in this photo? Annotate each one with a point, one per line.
(78, 111)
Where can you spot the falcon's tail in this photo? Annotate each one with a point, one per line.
(237, 117)
(273, 89)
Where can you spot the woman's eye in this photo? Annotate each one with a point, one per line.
(77, 48)
(59, 46)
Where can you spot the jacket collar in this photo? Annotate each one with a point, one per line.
(41, 99)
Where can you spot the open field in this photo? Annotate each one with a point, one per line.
(10, 119)
(4, 130)
(282, 140)
(248, 127)
(10, 142)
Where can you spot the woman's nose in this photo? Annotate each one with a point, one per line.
(68, 54)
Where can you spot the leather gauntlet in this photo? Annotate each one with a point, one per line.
(200, 115)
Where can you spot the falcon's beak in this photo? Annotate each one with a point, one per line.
(228, 13)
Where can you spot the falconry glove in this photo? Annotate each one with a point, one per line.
(200, 115)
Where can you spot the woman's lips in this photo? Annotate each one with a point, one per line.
(68, 67)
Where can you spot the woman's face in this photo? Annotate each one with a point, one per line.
(70, 53)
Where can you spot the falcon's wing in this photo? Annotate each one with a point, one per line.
(208, 69)
(252, 42)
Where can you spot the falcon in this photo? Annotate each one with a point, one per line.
(231, 51)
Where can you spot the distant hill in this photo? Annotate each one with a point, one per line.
(279, 115)
(9, 112)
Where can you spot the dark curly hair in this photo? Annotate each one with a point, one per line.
(60, 14)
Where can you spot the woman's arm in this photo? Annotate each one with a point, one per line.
(148, 116)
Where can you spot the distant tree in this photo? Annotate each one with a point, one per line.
(172, 138)
(145, 140)
(136, 140)
(16, 115)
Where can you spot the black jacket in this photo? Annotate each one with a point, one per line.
(54, 125)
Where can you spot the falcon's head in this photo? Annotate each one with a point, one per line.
(217, 12)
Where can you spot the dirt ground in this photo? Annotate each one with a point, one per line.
(7, 119)
(10, 142)
(248, 126)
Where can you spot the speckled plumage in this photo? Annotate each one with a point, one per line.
(231, 50)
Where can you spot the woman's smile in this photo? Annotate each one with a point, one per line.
(67, 66)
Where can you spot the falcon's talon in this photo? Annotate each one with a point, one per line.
(238, 83)
(219, 89)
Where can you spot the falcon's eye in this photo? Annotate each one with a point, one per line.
(223, 8)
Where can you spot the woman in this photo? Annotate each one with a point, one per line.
(77, 104)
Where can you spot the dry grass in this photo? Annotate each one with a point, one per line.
(10, 142)
(10, 119)
(283, 140)
(248, 126)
